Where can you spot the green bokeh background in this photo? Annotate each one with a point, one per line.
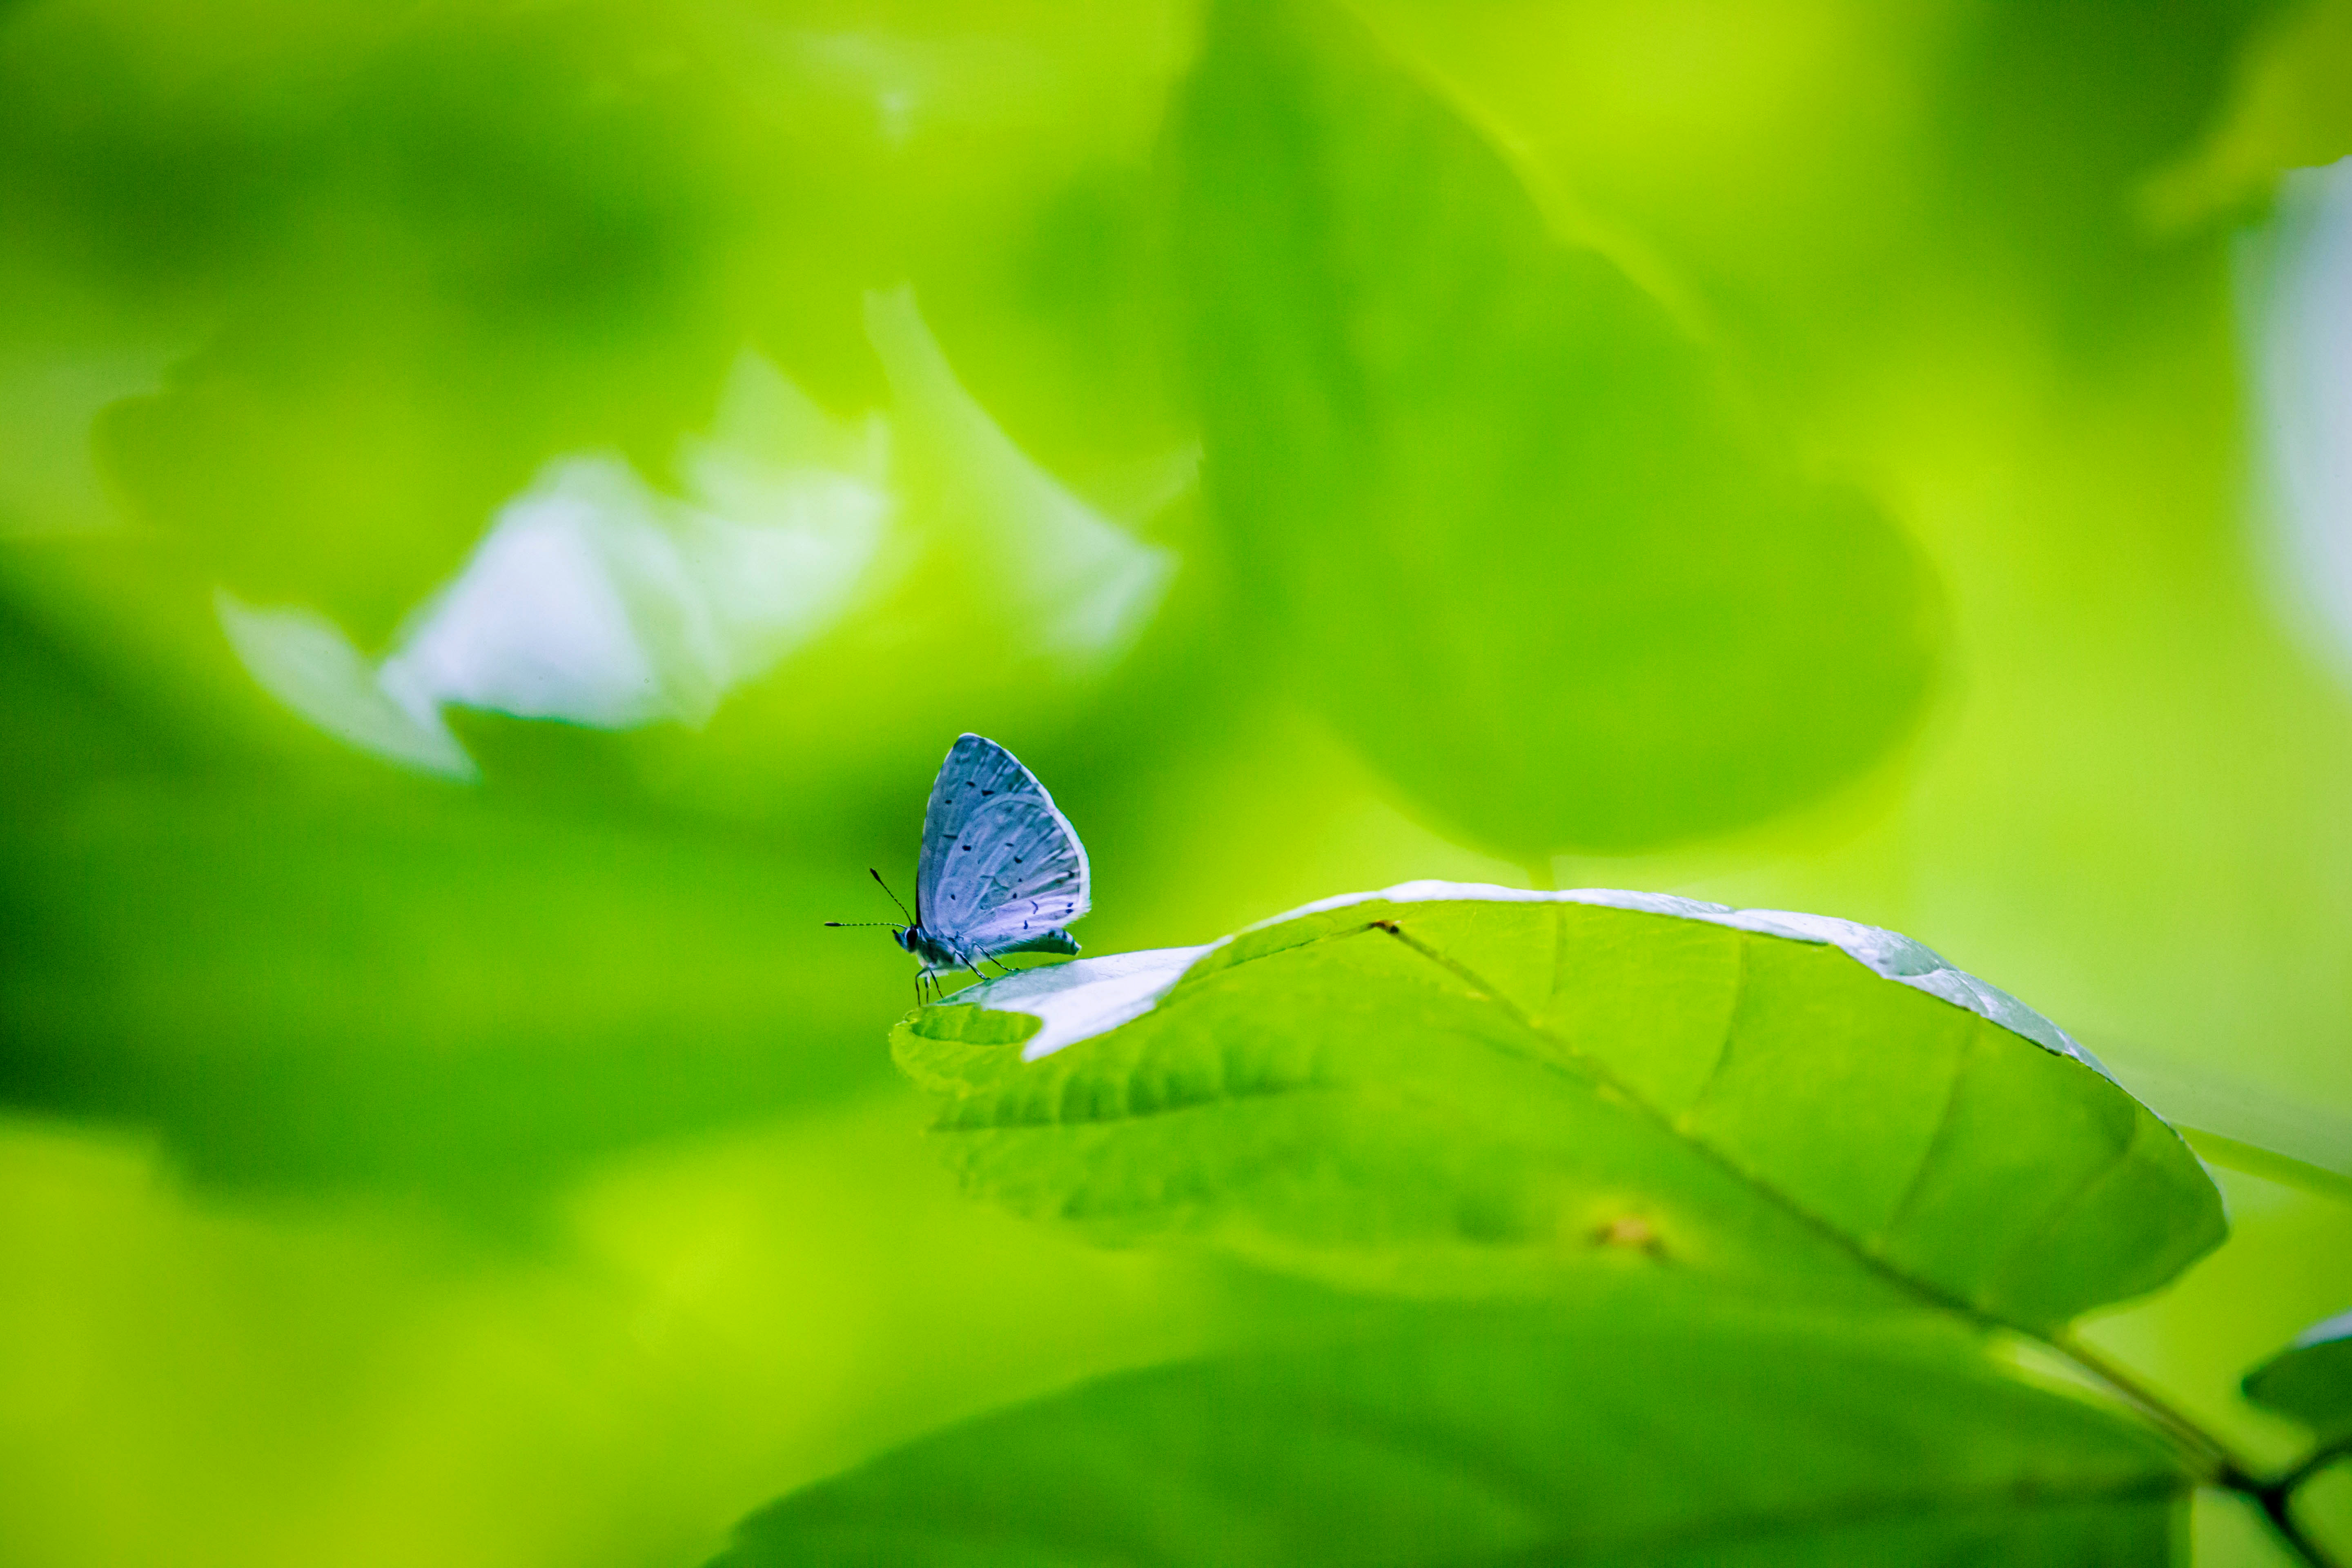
(395, 1169)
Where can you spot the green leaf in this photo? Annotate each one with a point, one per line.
(1495, 1436)
(1456, 1090)
(417, 990)
(1533, 557)
(2311, 1380)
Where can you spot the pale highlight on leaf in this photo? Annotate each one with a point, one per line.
(1086, 997)
(596, 599)
(1888, 955)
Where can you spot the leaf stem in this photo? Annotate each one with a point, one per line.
(2252, 1160)
(2311, 1464)
(2274, 1497)
(2218, 1462)
(2276, 1500)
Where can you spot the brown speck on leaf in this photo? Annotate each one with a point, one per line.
(1388, 926)
(1633, 1232)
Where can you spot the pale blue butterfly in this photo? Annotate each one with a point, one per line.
(1002, 869)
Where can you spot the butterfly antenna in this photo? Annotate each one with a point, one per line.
(851, 925)
(894, 898)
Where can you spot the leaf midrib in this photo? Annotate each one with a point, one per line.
(2189, 1437)
(1876, 1263)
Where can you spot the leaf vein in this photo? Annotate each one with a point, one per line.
(1997, 1279)
(1939, 1140)
(1730, 1028)
(1598, 1073)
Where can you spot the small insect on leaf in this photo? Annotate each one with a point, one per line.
(984, 799)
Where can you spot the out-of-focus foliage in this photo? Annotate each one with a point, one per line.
(439, 993)
(1507, 510)
(2311, 1380)
(1446, 1435)
(499, 1164)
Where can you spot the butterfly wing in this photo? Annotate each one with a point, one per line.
(977, 772)
(1000, 865)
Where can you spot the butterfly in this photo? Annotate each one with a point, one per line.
(1001, 871)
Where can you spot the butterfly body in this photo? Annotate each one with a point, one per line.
(1002, 870)
(938, 954)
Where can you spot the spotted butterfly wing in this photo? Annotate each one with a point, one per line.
(1001, 865)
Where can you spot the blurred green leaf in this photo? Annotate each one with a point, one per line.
(2311, 1380)
(436, 250)
(2052, 115)
(1462, 1095)
(1531, 555)
(1828, 182)
(1505, 1436)
(426, 990)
